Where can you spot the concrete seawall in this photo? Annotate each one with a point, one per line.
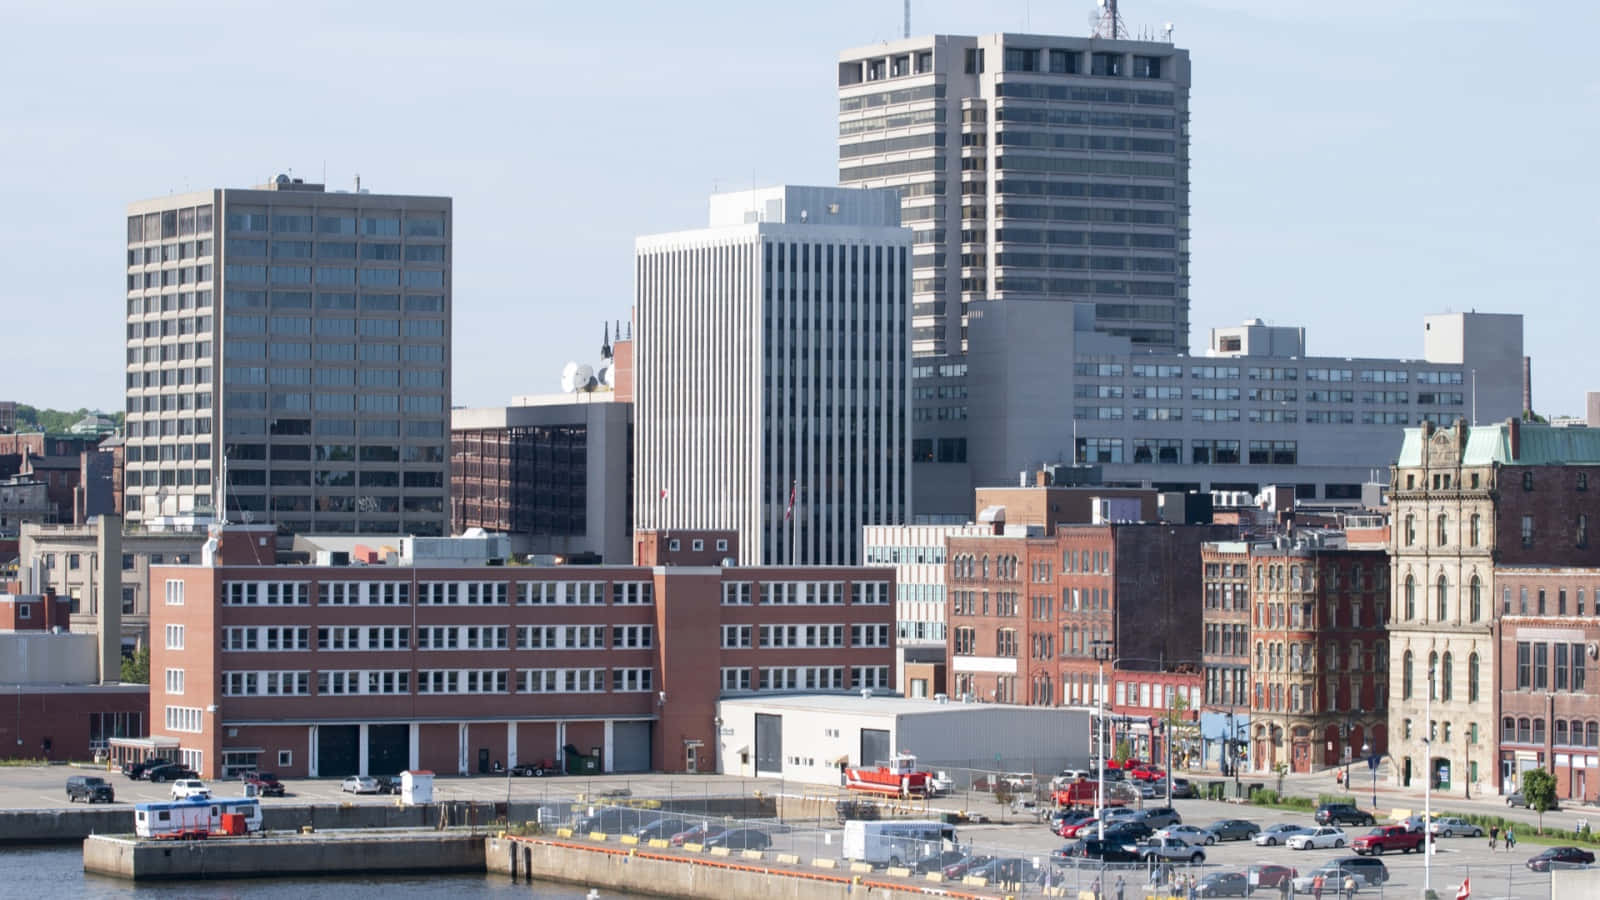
(665, 873)
(314, 854)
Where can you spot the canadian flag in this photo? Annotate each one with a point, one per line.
(1465, 891)
(663, 493)
(788, 512)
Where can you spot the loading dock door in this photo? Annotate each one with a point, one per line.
(874, 746)
(630, 747)
(769, 745)
(388, 749)
(337, 747)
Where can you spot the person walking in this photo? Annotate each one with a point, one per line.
(1494, 836)
(1511, 839)
(1350, 886)
(1284, 887)
(1120, 886)
(1316, 888)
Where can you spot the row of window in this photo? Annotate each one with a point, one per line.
(736, 637)
(806, 678)
(434, 593)
(1441, 676)
(804, 593)
(1565, 733)
(417, 224)
(1202, 451)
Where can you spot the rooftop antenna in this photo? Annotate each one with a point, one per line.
(1109, 25)
(908, 19)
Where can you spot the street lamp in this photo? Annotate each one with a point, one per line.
(1366, 753)
(1102, 651)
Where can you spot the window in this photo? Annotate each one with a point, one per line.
(1444, 530)
(174, 591)
(175, 637)
(1524, 665)
(1527, 531)
(1581, 538)
(1473, 535)
(1442, 597)
(1527, 481)
(1472, 678)
(1475, 600)
(1447, 679)
(1411, 530)
(1405, 676)
(1411, 598)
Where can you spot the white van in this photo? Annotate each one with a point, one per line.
(895, 843)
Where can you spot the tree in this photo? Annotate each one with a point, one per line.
(1179, 728)
(1121, 751)
(136, 668)
(1539, 789)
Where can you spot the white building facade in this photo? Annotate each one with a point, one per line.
(917, 553)
(771, 370)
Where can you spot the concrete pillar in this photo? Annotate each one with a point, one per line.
(109, 619)
(511, 744)
(414, 750)
(311, 751)
(361, 749)
(461, 748)
(606, 744)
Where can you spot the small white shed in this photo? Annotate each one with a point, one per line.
(416, 787)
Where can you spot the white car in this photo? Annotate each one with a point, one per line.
(1189, 834)
(185, 788)
(1319, 839)
(1273, 835)
(940, 783)
(1452, 826)
(359, 784)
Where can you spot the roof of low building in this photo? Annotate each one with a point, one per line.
(879, 704)
(1537, 445)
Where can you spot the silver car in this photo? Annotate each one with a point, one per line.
(1273, 835)
(359, 784)
(1450, 827)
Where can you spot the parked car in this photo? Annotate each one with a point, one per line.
(965, 864)
(1008, 869)
(1182, 789)
(1114, 813)
(170, 772)
(138, 770)
(1170, 850)
(936, 862)
(1343, 814)
(1223, 884)
(1232, 830)
(1188, 834)
(1270, 876)
(940, 783)
(89, 788)
(1451, 826)
(1108, 850)
(388, 784)
(696, 835)
(265, 783)
(615, 820)
(1127, 831)
(1368, 870)
(1388, 839)
(1319, 839)
(741, 839)
(1561, 858)
(1273, 835)
(359, 784)
(186, 788)
(1148, 790)
(1070, 826)
(1516, 798)
(1159, 816)
(661, 829)
(1068, 776)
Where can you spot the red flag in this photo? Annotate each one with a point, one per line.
(663, 493)
(1465, 892)
(788, 512)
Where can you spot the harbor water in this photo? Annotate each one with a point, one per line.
(57, 871)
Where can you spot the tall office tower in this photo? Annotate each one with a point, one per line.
(1033, 167)
(771, 366)
(289, 349)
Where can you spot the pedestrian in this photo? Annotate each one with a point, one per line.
(1194, 882)
(1095, 889)
(1119, 886)
(1349, 885)
(1494, 836)
(1284, 887)
(1316, 888)
(1511, 839)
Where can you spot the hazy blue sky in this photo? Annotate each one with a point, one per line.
(1355, 165)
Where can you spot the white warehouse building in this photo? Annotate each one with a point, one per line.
(809, 737)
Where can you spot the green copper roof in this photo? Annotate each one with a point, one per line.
(1539, 445)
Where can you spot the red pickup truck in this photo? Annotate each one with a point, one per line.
(1386, 839)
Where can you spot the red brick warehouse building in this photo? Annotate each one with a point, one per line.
(331, 671)
(1025, 612)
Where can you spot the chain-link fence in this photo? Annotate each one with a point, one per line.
(891, 846)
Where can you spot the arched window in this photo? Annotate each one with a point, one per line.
(1405, 676)
(1433, 667)
(1475, 599)
(1472, 678)
(986, 565)
(1446, 679)
(1444, 529)
(1591, 735)
(1442, 597)
(1473, 529)
(1411, 598)
(1411, 530)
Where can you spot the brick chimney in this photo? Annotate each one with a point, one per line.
(1514, 437)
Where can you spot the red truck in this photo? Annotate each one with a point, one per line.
(1081, 795)
(1387, 839)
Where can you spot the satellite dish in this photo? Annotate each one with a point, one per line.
(569, 377)
(608, 376)
(583, 378)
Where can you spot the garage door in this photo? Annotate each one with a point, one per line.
(874, 746)
(388, 749)
(630, 747)
(769, 745)
(337, 747)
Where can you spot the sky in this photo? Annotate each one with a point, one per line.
(1355, 166)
